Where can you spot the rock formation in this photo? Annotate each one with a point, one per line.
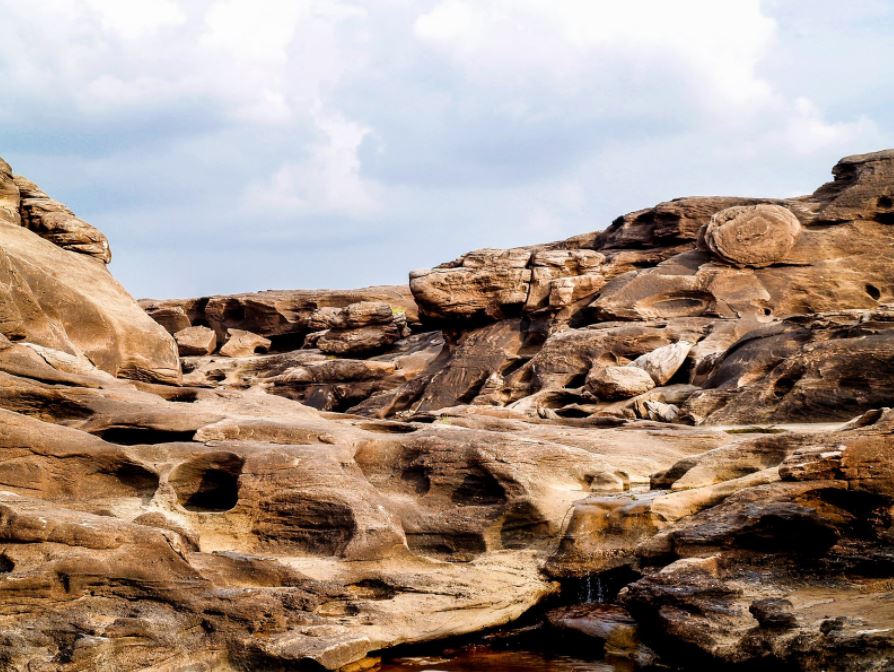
(691, 405)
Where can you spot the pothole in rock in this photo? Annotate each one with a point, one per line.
(137, 478)
(388, 427)
(209, 483)
(137, 436)
(479, 488)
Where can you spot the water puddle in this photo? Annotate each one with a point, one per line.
(483, 659)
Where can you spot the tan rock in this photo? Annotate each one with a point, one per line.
(68, 301)
(662, 363)
(195, 341)
(241, 343)
(52, 220)
(619, 382)
(752, 235)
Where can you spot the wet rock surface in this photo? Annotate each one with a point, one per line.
(692, 405)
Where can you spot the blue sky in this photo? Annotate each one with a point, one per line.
(238, 145)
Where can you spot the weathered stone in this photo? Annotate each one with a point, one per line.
(662, 363)
(193, 341)
(241, 343)
(227, 525)
(67, 301)
(752, 235)
(619, 382)
(50, 219)
(482, 285)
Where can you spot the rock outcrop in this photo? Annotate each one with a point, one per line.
(688, 410)
(55, 290)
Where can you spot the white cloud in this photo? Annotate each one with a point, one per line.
(422, 129)
(329, 182)
(807, 132)
(711, 46)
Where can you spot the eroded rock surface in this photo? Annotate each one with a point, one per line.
(691, 405)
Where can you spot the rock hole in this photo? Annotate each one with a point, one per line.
(523, 525)
(768, 312)
(886, 202)
(185, 396)
(418, 478)
(577, 381)
(388, 427)
(874, 292)
(514, 366)
(372, 589)
(233, 312)
(479, 488)
(460, 545)
(784, 385)
(285, 342)
(138, 436)
(209, 483)
(6, 564)
(137, 478)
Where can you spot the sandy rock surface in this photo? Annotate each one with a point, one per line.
(691, 406)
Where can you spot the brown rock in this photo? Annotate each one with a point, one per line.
(66, 301)
(241, 343)
(50, 219)
(752, 235)
(485, 284)
(195, 341)
(619, 382)
(662, 363)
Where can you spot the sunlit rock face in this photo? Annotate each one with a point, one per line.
(693, 399)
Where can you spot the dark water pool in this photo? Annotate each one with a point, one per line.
(487, 660)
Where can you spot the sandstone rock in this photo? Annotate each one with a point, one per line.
(195, 341)
(450, 476)
(241, 343)
(752, 235)
(67, 301)
(281, 315)
(50, 219)
(662, 363)
(485, 284)
(821, 369)
(619, 382)
(666, 224)
(861, 190)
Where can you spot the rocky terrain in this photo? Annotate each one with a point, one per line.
(690, 406)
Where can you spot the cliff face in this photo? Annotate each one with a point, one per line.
(667, 396)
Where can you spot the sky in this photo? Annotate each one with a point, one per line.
(240, 145)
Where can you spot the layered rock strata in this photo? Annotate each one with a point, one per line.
(694, 399)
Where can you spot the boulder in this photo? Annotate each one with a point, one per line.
(241, 343)
(752, 235)
(619, 382)
(480, 286)
(662, 363)
(193, 341)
